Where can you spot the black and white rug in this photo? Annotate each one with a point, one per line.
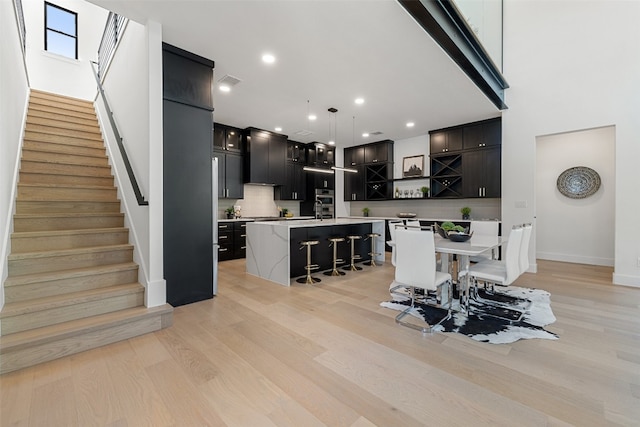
(484, 322)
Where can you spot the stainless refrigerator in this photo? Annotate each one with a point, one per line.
(214, 210)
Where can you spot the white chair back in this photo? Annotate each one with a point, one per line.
(524, 247)
(413, 223)
(512, 257)
(416, 258)
(392, 229)
(484, 228)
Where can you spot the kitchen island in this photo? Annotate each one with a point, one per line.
(273, 247)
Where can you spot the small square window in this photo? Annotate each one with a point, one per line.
(61, 31)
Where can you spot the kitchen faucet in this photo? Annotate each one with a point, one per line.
(315, 207)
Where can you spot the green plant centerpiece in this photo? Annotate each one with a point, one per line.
(449, 226)
(466, 211)
(230, 212)
(425, 191)
(365, 211)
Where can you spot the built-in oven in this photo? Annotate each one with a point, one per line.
(324, 203)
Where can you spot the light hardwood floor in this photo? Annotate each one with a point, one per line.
(260, 354)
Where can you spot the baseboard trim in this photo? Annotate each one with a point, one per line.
(626, 280)
(576, 259)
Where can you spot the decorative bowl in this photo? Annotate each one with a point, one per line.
(459, 237)
(406, 215)
(440, 230)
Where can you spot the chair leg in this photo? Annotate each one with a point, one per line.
(424, 330)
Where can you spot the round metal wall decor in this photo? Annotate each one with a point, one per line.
(578, 182)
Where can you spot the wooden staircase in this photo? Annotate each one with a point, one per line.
(72, 284)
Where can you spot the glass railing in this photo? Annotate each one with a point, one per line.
(484, 18)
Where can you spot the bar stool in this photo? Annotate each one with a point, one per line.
(335, 272)
(373, 253)
(354, 256)
(309, 267)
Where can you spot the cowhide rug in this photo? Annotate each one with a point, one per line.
(486, 323)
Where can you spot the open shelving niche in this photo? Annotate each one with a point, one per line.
(413, 183)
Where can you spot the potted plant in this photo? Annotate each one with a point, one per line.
(365, 211)
(425, 191)
(230, 212)
(284, 212)
(465, 211)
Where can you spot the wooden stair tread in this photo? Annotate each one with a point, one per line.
(46, 233)
(25, 339)
(29, 134)
(66, 214)
(68, 274)
(41, 94)
(39, 304)
(64, 252)
(70, 186)
(63, 163)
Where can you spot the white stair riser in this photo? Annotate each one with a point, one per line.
(66, 262)
(24, 322)
(54, 242)
(62, 286)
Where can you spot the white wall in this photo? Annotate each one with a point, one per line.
(58, 74)
(14, 87)
(133, 87)
(576, 230)
(573, 67)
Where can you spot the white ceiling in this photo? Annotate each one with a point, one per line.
(328, 53)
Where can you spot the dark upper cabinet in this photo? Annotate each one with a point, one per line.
(265, 157)
(321, 155)
(354, 184)
(354, 156)
(295, 186)
(296, 152)
(322, 180)
(443, 141)
(482, 134)
(230, 177)
(227, 138)
(481, 172)
(378, 152)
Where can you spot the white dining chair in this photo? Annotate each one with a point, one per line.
(524, 247)
(413, 223)
(416, 269)
(392, 241)
(502, 273)
(482, 229)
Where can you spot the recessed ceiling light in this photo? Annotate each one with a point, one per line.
(331, 143)
(410, 124)
(365, 135)
(225, 88)
(278, 129)
(312, 117)
(359, 101)
(268, 58)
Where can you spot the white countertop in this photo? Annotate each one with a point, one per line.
(392, 218)
(293, 218)
(292, 223)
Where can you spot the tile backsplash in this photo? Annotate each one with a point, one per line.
(258, 201)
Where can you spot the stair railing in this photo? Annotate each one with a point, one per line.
(119, 140)
(112, 33)
(17, 4)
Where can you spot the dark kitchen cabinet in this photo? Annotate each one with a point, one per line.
(187, 182)
(295, 186)
(265, 157)
(446, 176)
(481, 172)
(232, 238)
(374, 163)
(482, 134)
(443, 141)
(321, 155)
(378, 152)
(322, 180)
(354, 156)
(227, 138)
(296, 152)
(230, 177)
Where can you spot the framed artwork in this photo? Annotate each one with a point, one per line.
(412, 166)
